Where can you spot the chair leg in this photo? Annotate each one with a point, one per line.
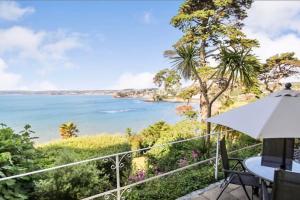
(224, 187)
(223, 190)
(244, 188)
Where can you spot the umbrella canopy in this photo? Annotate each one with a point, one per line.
(275, 116)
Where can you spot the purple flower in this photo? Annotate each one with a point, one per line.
(139, 176)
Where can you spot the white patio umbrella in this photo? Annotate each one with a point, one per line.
(275, 116)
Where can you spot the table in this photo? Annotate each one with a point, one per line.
(253, 165)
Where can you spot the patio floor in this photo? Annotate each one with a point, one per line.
(233, 192)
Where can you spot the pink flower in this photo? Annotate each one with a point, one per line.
(195, 154)
(183, 162)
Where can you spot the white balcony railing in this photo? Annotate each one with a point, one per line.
(118, 163)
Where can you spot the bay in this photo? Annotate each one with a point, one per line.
(92, 114)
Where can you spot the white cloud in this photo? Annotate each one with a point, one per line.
(12, 81)
(48, 49)
(21, 40)
(147, 17)
(9, 81)
(135, 81)
(270, 46)
(10, 10)
(274, 17)
(276, 25)
(37, 44)
(40, 50)
(59, 48)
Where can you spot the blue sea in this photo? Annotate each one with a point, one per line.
(91, 114)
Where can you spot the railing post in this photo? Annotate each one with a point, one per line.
(217, 156)
(118, 177)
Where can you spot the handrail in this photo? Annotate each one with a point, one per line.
(101, 158)
(117, 159)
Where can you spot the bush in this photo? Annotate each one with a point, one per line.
(85, 147)
(71, 183)
(168, 157)
(17, 156)
(151, 134)
(88, 146)
(176, 155)
(174, 186)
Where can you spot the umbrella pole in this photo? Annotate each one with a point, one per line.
(283, 163)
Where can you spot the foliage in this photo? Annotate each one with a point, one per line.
(278, 67)
(17, 155)
(136, 143)
(152, 133)
(238, 62)
(177, 155)
(208, 28)
(68, 130)
(188, 93)
(174, 186)
(86, 147)
(128, 132)
(187, 111)
(71, 183)
(167, 157)
(169, 79)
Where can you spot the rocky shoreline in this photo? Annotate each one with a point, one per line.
(147, 95)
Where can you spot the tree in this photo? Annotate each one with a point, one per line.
(169, 79)
(236, 64)
(207, 26)
(17, 156)
(68, 130)
(278, 67)
(187, 93)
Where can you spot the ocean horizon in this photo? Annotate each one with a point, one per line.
(93, 114)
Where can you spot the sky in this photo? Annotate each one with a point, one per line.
(64, 45)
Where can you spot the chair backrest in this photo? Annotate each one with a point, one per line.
(273, 151)
(224, 155)
(286, 185)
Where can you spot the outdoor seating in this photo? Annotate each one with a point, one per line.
(234, 176)
(286, 186)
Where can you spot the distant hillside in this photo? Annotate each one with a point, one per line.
(115, 93)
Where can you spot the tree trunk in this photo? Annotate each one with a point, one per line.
(204, 99)
(208, 124)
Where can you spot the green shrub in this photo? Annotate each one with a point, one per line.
(177, 155)
(174, 186)
(86, 147)
(161, 159)
(151, 134)
(17, 156)
(71, 183)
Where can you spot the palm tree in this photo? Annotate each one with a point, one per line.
(68, 130)
(236, 64)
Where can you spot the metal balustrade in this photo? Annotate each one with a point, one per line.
(118, 163)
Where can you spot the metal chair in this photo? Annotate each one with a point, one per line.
(286, 186)
(232, 176)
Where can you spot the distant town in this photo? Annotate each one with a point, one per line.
(115, 93)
